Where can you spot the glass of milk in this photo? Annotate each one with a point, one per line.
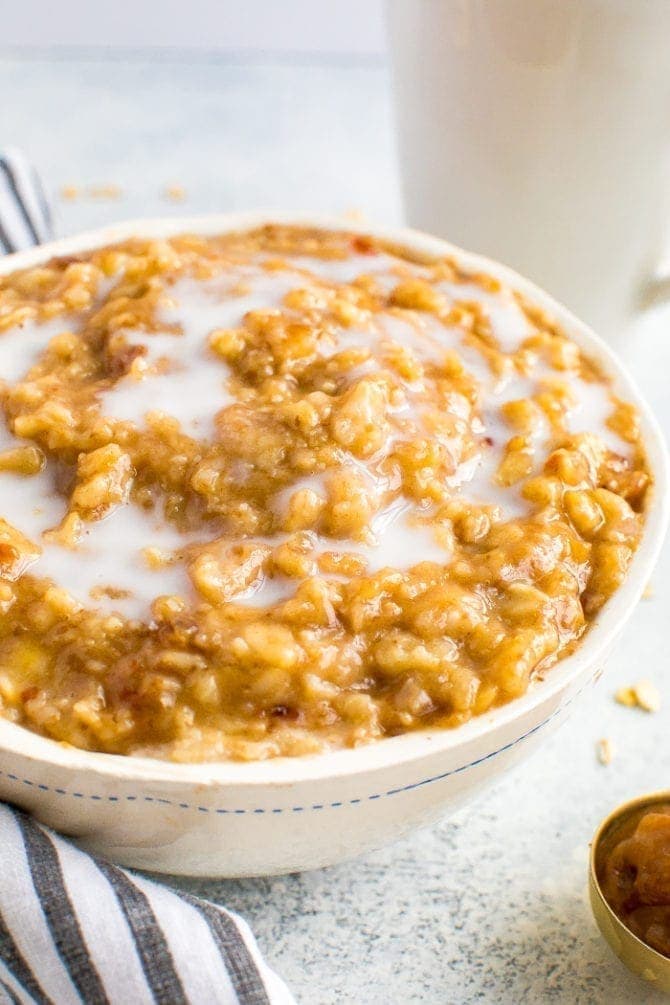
(537, 132)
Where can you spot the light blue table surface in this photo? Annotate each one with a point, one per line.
(490, 907)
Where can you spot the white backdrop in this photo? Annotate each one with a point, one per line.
(291, 26)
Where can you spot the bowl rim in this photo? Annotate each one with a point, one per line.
(407, 748)
(620, 812)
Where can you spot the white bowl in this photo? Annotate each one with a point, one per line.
(289, 814)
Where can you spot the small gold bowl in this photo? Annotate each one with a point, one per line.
(640, 958)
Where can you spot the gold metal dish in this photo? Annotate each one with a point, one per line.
(640, 958)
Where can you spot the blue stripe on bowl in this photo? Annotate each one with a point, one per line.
(301, 809)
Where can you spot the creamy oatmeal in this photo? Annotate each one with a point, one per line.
(280, 491)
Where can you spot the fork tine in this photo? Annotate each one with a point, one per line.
(25, 215)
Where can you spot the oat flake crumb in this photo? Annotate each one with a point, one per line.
(647, 696)
(643, 695)
(105, 191)
(625, 696)
(605, 750)
(354, 214)
(175, 193)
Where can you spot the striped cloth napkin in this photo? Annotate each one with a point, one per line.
(75, 929)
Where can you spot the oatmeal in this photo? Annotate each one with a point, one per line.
(269, 493)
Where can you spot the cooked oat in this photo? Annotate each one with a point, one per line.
(286, 490)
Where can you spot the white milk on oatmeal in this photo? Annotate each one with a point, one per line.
(110, 552)
(186, 380)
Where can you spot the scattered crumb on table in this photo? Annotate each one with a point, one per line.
(174, 193)
(605, 750)
(644, 695)
(108, 191)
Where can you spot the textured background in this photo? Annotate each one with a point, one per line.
(490, 907)
(292, 26)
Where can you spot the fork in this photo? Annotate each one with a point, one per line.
(25, 214)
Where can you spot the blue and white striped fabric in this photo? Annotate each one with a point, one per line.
(74, 929)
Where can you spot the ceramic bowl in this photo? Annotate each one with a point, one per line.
(640, 958)
(290, 814)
